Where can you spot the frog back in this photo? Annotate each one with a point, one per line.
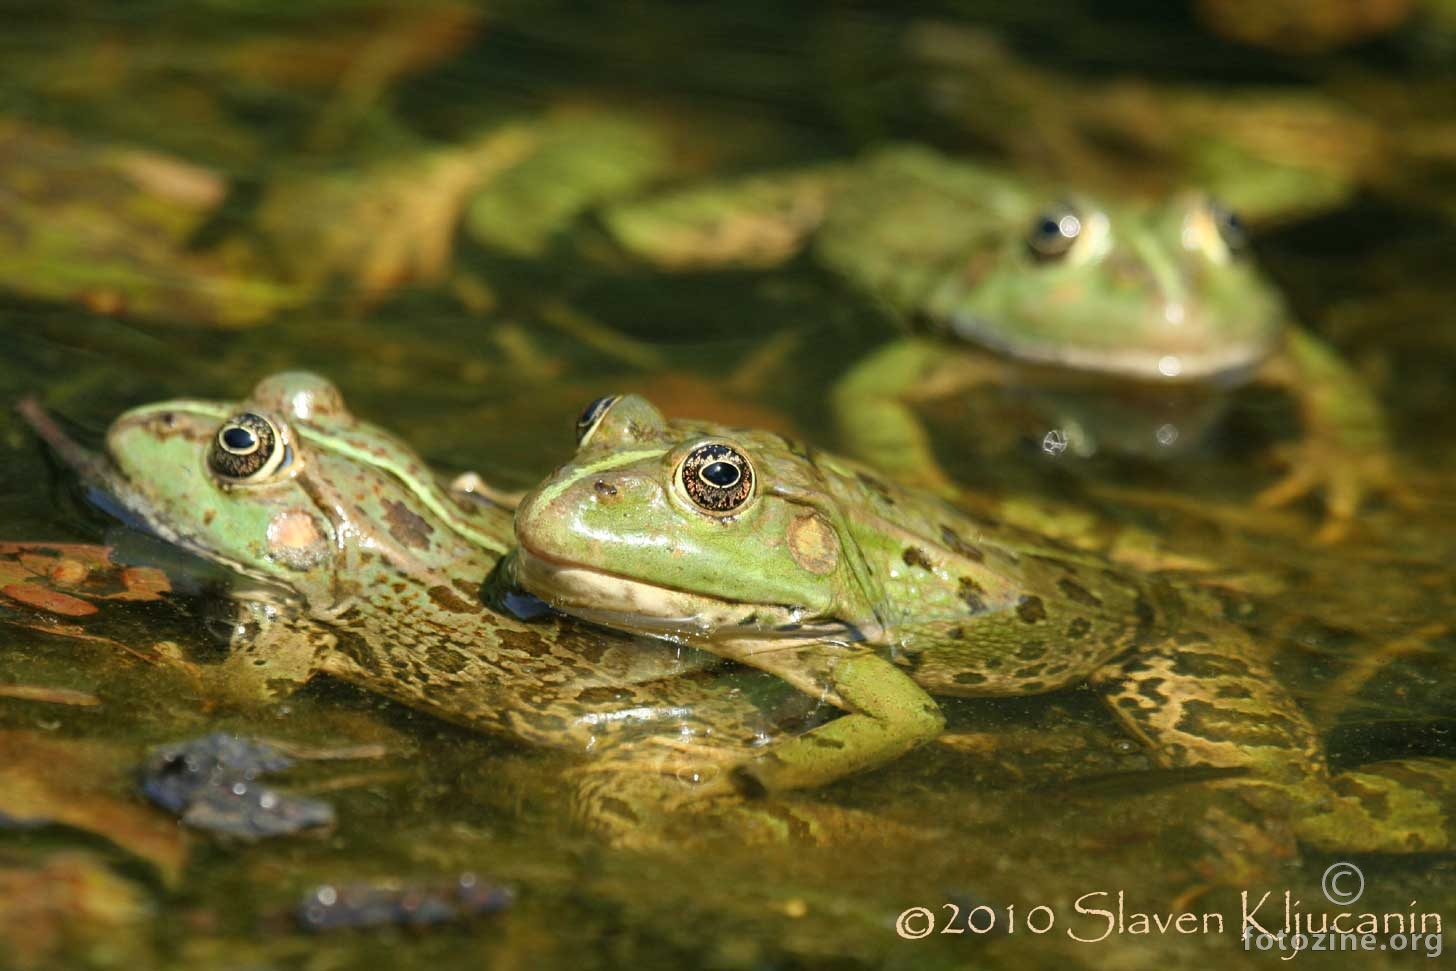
(974, 607)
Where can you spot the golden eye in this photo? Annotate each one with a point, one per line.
(1230, 227)
(1054, 232)
(1215, 230)
(248, 449)
(717, 478)
(592, 417)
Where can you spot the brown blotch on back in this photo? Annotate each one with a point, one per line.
(915, 556)
(1076, 592)
(971, 593)
(1079, 627)
(407, 526)
(448, 600)
(1031, 609)
(958, 546)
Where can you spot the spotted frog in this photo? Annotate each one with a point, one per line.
(352, 561)
(1124, 322)
(875, 596)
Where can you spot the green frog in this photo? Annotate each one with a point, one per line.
(873, 596)
(1124, 322)
(354, 562)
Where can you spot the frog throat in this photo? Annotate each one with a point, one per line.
(625, 603)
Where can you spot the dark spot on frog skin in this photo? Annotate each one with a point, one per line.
(446, 599)
(399, 586)
(469, 590)
(1031, 650)
(1031, 609)
(970, 677)
(528, 643)
(407, 526)
(915, 556)
(1079, 627)
(958, 546)
(444, 659)
(956, 633)
(1149, 689)
(971, 593)
(1074, 591)
(1210, 666)
(208, 517)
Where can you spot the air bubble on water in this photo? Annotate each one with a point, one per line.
(1054, 442)
(1166, 434)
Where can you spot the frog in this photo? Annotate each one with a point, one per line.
(353, 561)
(878, 597)
(1128, 323)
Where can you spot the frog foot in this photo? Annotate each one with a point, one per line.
(1345, 476)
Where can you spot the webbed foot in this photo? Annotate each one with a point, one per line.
(1344, 476)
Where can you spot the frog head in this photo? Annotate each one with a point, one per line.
(289, 487)
(1161, 293)
(692, 532)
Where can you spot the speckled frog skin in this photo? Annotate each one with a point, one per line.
(358, 565)
(807, 565)
(1123, 322)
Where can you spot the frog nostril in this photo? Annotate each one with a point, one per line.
(604, 488)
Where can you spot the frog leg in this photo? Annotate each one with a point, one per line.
(1344, 452)
(887, 714)
(1209, 700)
(760, 221)
(874, 405)
(273, 652)
(664, 795)
(641, 810)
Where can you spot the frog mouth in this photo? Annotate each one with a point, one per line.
(625, 603)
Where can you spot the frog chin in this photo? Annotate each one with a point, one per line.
(634, 605)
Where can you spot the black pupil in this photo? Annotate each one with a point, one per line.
(238, 438)
(1051, 227)
(721, 474)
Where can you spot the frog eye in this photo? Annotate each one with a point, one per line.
(1230, 227)
(717, 478)
(592, 416)
(1215, 230)
(248, 449)
(1054, 232)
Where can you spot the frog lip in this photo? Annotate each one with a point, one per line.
(612, 600)
(1225, 366)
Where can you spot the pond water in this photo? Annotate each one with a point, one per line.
(194, 196)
